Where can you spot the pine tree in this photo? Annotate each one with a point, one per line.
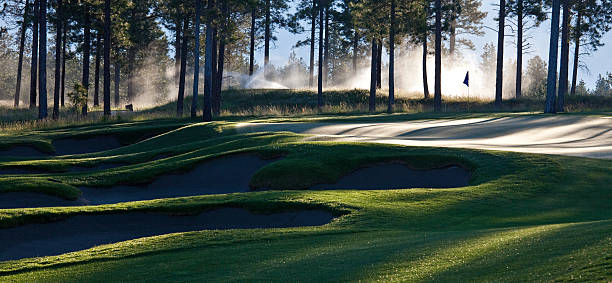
(551, 84)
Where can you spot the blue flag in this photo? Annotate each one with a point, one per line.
(466, 81)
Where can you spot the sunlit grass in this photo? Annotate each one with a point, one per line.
(524, 217)
(249, 104)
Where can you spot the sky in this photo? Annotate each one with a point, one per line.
(599, 62)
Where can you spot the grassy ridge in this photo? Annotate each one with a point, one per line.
(524, 217)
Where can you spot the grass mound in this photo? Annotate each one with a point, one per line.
(523, 217)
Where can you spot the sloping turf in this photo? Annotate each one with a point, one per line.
(523, 217)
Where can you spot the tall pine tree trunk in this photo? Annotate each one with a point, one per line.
(379, 64)
(320, 67)
(177, 51)
(519, 50)
(252, 35)
(58, 60)
(576, 51)
(355, 49)
(267, 36)
(42, 60)
(438, 55)
(107, 63)
(391, 59)
(551, 82)
(183, 71)
(499, 72)
(24, 26)
(564, 72)
(216, 107)
(373, 75)
(86, 51)
(425, 83)
(34, 62)
(117, 81)
(313, 27)
(215, 69)
(97, 71)
(326, 51)
(208, 70)
(196, 63)
(453, 38)
(63, 90)
(219, 79)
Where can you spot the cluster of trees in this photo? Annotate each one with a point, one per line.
(124, 34)
(592, 20)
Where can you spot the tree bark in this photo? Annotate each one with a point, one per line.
(63, 91)
(551, 82)
(219, 79)
(196, 64)
(97, 71)
(252, 47)
(42, 60)
(215, 68)
(519, 50)
(24, 26)
(107, 62)
(326, 51)
(58, 60)
(355, 49)
(425, 83)
(379, 64)
(313, 27)
(563, 73)
(438, 55)
(499, 72)
(576, 51)
(181, 90)
(216, 107)
(392, 59)
(34, 62)
(453, 39)
(320, 67)
(86, 51)
(267, 41)
(373, 76)
(177, 51)
(452, 29)
(208, 71)
(117, 99)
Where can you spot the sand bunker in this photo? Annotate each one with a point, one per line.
(22, 151)
(31, 199)
(29, 170)
(399, 176)
(85, 145)
(230, 174)
(86, 231)
(67, 146)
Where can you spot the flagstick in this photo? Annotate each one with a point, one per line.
(468, 100)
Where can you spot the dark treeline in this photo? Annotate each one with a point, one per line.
(125, 37)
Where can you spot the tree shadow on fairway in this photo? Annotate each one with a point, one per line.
(538, 253)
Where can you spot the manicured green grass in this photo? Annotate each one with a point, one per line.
(524, 217)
